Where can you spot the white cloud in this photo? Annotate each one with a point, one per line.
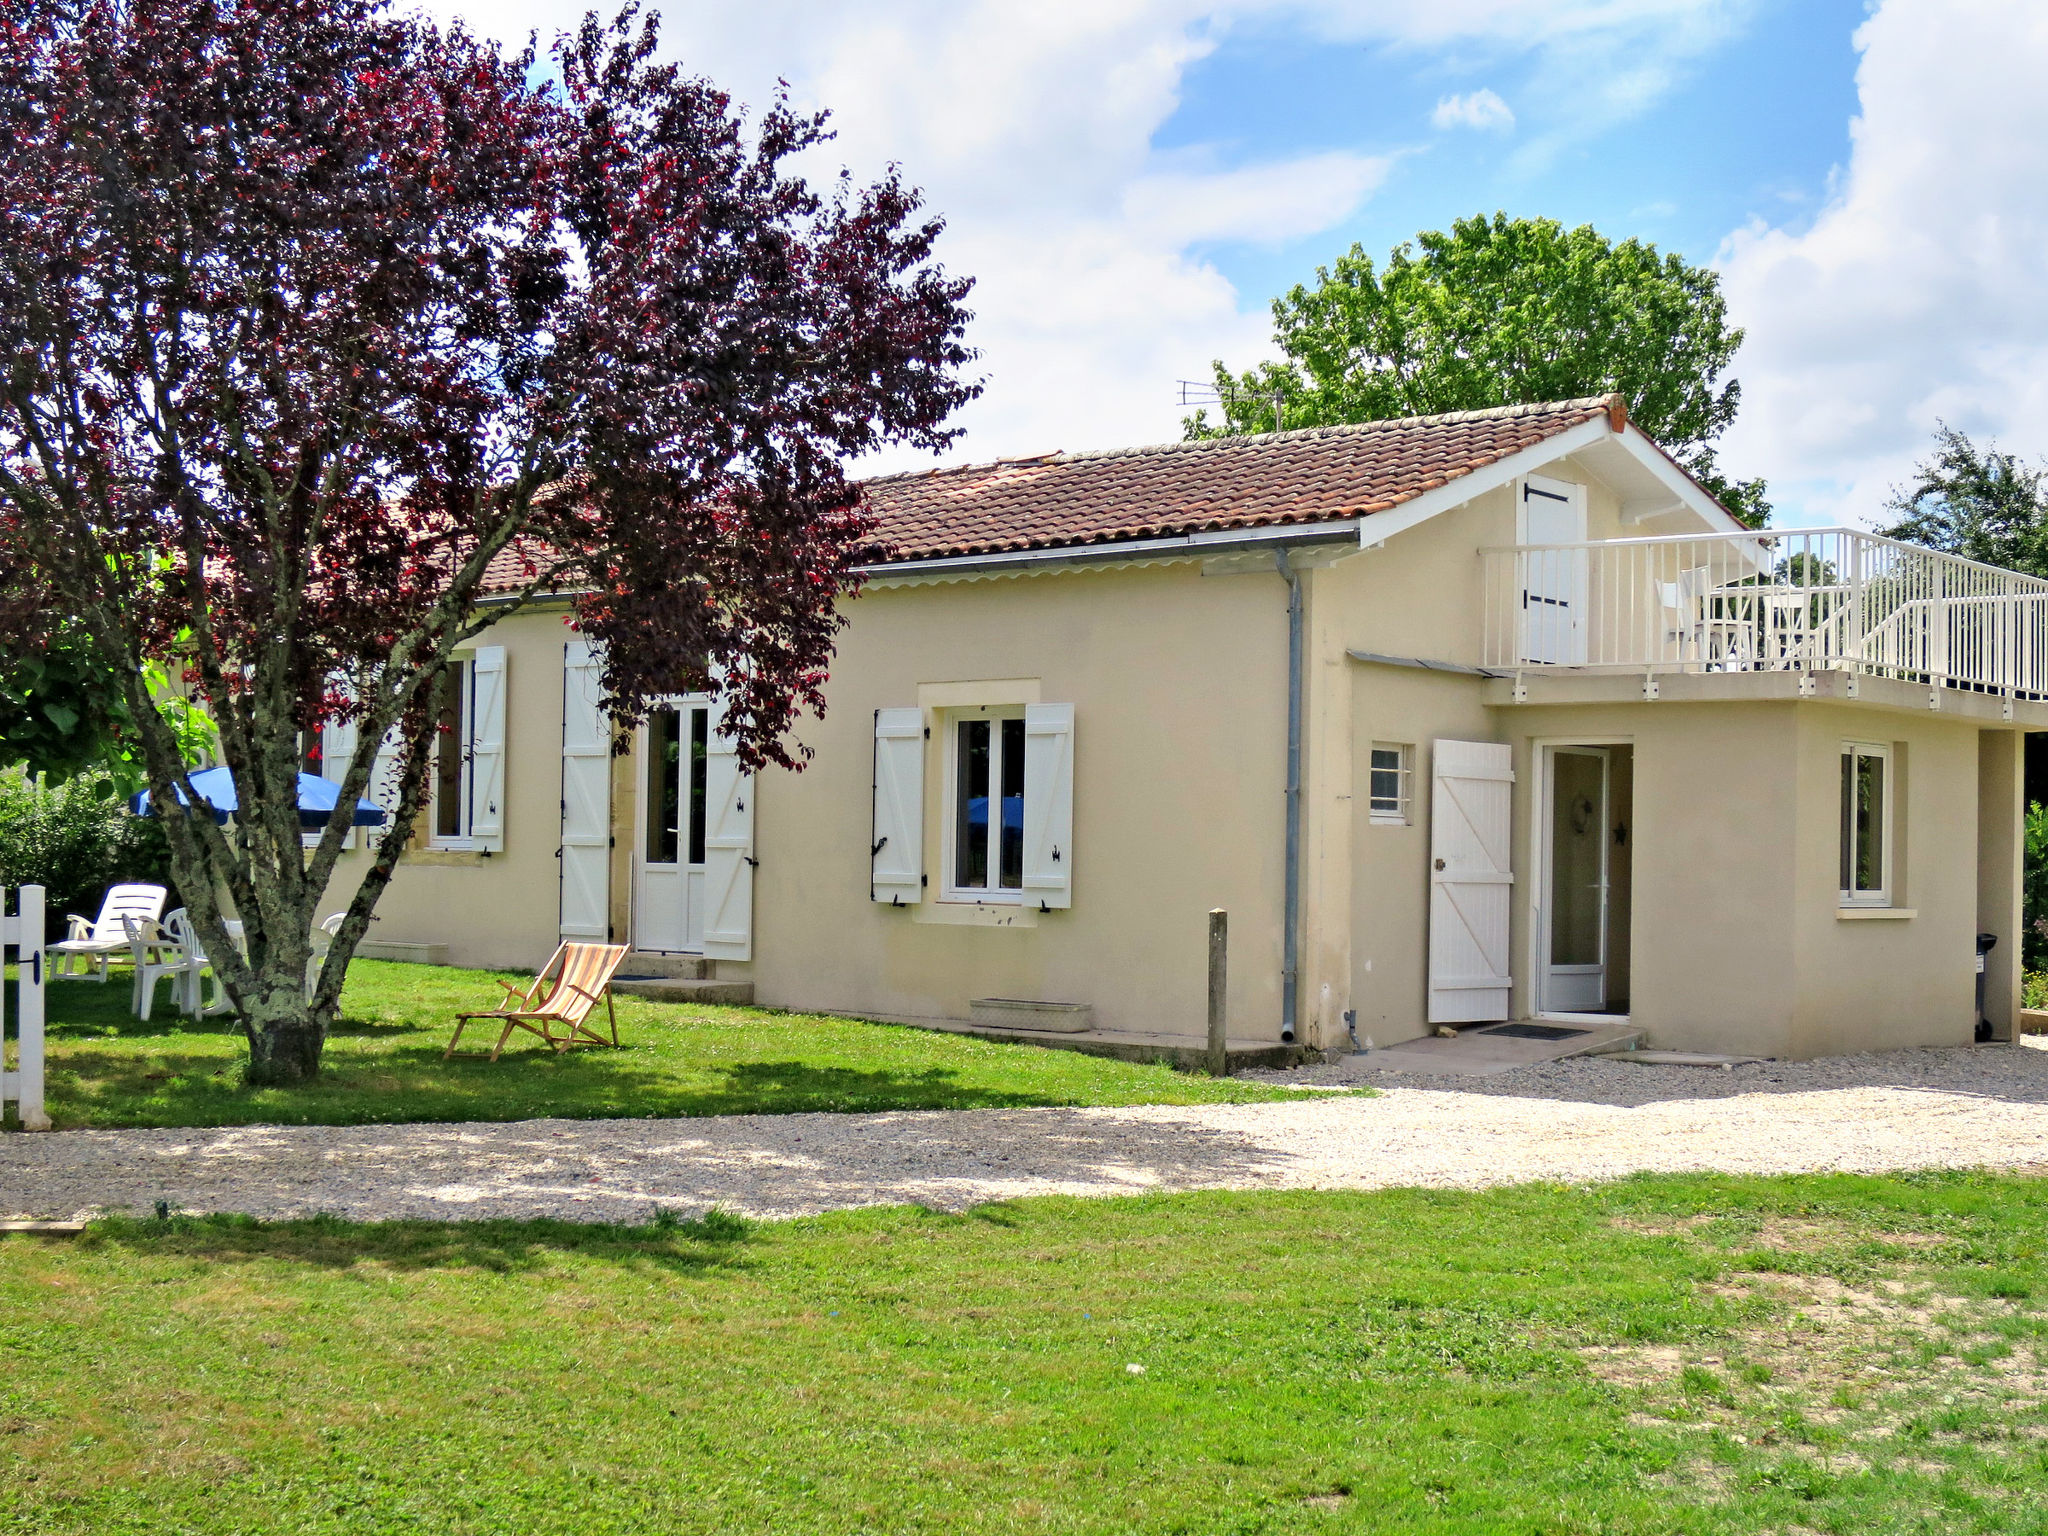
(1030, 127)
(1478, 109)
(1917, 292)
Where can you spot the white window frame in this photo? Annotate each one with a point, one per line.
(951, 720)
(1882, 897)
(1403, 812)
(463, 666)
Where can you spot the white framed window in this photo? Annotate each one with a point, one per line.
(1389, 788)
(454, 779)
(985, 753)
(1869, 822)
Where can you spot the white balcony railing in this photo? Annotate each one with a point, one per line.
(1806, 599)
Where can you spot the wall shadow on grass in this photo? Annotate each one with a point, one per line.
(172, 1087)
(714, 1241)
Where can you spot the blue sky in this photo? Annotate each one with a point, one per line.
(1752, 129)
(1132, 181)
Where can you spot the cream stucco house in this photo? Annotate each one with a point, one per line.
(1487, 716)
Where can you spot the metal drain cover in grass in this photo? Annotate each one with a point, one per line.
(1534, 1031)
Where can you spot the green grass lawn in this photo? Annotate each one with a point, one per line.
(383, 1063)
(1658, 1356)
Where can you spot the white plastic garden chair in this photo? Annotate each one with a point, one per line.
(199, 966)
(157, 953)
(323, 941)
(88, 947)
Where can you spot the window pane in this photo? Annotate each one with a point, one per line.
(448, 750)
(1869, 823)
(1848, 820)
(970, 830)
(664, 796)
(700, 748)
(1012, 835)
(1578, 820)
(1384, 790)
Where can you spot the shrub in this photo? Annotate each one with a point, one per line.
(2034, 897)
(74, 839)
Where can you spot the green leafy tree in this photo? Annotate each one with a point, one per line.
(1980, 503)
(1503, 312)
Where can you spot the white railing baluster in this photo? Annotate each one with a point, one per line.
(1796, 599)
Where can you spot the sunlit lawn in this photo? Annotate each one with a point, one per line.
(383, 1063)
(1659, 1357)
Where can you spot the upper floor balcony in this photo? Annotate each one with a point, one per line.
(1794, 600)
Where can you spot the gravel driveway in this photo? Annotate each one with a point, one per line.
(1568, 1121)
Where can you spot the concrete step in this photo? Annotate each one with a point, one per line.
(642, 963)
(686, 989)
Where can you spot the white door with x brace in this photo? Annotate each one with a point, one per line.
(1471, 807)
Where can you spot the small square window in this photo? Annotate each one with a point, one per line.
(1388, 792)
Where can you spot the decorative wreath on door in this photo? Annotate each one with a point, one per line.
(1582, 815)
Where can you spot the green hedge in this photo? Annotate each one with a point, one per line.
(75, 839)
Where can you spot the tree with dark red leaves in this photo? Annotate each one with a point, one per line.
(309, 312)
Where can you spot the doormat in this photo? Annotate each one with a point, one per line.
(1533, 1031)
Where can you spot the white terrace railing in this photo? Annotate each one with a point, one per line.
(1804, 599)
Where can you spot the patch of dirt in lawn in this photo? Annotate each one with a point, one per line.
(1830, 1337)
(1782, 1234)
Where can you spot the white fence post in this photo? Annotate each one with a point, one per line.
(24, 932)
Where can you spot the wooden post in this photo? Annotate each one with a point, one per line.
(1219, 987)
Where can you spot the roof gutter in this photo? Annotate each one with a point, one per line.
(1208, 541)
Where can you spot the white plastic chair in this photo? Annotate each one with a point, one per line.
(85, 951)
(323, 941)
(157, 952)
(199, 966)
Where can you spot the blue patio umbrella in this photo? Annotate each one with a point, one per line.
(317, 799)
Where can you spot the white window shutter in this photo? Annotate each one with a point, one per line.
(1049, 804)
(728, 849)
(1471, 807)
(383, 789)
(897, 841)
(586, 796)
(337, 750)
(487, 748)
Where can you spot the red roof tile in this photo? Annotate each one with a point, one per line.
(1275, 479)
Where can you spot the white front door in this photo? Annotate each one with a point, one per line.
(1573, 930)
(668, 854)
(1554, 581)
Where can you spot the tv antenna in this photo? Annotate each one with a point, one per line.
(1198, 393)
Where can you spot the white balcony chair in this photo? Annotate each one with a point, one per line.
(91, 944)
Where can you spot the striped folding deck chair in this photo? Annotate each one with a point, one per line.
(558, 1004)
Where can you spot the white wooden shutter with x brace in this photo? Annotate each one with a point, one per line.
(1470, 810)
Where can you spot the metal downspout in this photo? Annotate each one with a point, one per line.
(1290, 933)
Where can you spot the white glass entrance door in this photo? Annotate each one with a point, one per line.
(1575, 883)
(668, 863)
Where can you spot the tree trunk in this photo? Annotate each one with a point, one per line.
(285, 1035)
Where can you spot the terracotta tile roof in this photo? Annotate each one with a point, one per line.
(1272, 480)
(1275, 479)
